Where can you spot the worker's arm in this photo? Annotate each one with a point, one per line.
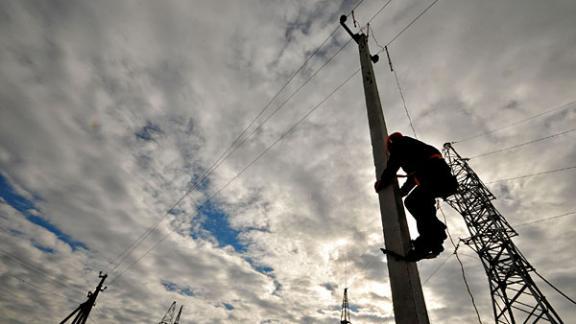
(388, 175)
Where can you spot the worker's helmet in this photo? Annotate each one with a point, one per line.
(390, 139)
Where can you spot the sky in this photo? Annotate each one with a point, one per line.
(112, 113)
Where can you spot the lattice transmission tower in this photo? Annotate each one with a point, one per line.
(169, 317)
(515, 296)
(345, 314)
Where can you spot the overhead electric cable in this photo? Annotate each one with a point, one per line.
(524, 144)
(379, 11)
(554, 287)
(34, 268)
(396, 78)
(355, 6)
(258, 157)
(545, 219)
(404, 103)
(446, 258)
(439, 207)
(412, 22)
(534, 221)
(37, 288)
(519, 122)
(149, 232)
(532, 175)
(239, 140)
(233, 149)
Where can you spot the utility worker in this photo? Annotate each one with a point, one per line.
(427, 171)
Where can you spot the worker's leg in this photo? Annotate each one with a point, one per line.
(421, 204)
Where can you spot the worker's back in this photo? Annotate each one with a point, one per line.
(411, 153)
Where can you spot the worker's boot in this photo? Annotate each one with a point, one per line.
(437, 240)
(420, 248)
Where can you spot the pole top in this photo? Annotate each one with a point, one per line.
(357, 36)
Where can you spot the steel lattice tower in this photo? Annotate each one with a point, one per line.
(169, 316)
(177, 320)
(515, 296)
(345, 314)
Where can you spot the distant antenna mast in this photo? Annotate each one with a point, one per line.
(345, 315)
(169, 316)
(515, 297)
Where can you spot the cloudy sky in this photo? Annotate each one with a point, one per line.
(113, 112)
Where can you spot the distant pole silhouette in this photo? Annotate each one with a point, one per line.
(83, 310)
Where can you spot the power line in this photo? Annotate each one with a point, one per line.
(239, 140)
(385, 48)
(439, 207)
(404, 103)
(540, 220)
(140, 258)
(34, 268)
(356, 6)
(532, 175)
(524, 144)
(545, 219)
(396, 78)
(235, 145)
(412, 22)
(436, 270)
(554, 287)
(39, 289)
(379, 11)
(264, 152)
(519, 122)
(258, 157)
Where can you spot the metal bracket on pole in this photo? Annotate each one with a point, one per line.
(356, 36)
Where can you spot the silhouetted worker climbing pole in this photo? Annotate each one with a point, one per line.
(407, 297)
(427, 177)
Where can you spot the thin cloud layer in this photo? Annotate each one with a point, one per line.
(111, 112)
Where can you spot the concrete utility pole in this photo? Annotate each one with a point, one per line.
(409, 305)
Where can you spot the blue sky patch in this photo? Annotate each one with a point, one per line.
(173, 287)
(147, 132)
(264, 269)
(354, 308)
(27, 207)
(43, 248)
(215, 221)
(200, 182)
